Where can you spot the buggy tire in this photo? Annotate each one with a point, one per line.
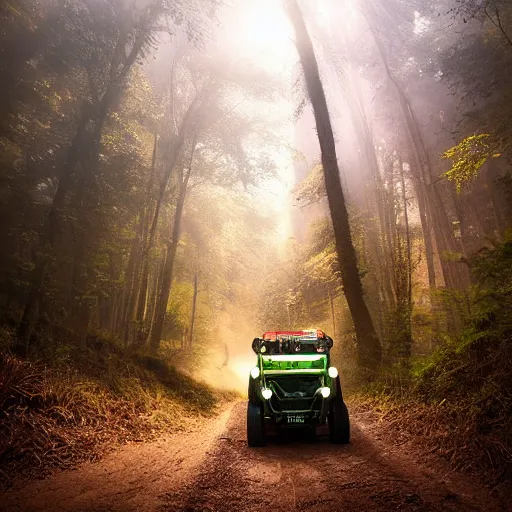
(252, 393)
(255, 425)
(339, 422)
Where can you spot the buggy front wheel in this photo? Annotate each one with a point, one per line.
(255, 425)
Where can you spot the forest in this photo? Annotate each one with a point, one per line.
(177, 177)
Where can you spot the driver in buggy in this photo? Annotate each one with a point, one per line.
(289, 344)
(267, 346)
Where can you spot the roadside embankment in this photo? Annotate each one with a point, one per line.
(57, 416)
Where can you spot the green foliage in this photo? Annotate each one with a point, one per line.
(301, 287)
(178, 312)
(312, 188)
(468, 157)
(463, 388)
(482, 354)
(493, 297)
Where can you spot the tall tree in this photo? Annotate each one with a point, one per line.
(369, 348)
(107, 66)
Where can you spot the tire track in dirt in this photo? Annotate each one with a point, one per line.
(295, 474)
(211, 469)
(132, 479)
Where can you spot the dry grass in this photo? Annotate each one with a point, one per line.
(458, 406)
(450, 432)
(57, 418)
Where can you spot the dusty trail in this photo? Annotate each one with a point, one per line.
(213, 470)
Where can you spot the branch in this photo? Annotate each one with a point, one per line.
(172, 110)
(498, 24)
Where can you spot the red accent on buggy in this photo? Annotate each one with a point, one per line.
(273, 335)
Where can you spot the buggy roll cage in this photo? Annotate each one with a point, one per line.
(293, 342)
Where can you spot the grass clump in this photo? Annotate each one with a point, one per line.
(83, 404)
(458, 401)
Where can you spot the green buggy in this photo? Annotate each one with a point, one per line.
(294, 385)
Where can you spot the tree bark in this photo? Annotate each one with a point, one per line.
(369, 348)
(407, 232)
(147, 242)
(158, 273)
(127, 291)
(165, 290)
(408, 301)
(384, 263)
(174, 153)
(425, 228)
(131, 305)
(50, 229)
(84, 148)
(333, 315)
(193, 315)
(456, 276)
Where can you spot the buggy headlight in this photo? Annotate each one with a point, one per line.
(325, 392)
(255, 372)
(333, 372)
(266, 393)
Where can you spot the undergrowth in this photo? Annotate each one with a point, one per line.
(458, 401)
(87, 401)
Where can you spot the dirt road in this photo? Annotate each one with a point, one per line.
(211, 469)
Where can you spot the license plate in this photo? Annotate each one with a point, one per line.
(298, 418)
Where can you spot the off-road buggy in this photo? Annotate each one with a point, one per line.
(294, 385)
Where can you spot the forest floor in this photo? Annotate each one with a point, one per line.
(210, 468)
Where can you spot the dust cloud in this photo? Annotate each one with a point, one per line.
(233, 358)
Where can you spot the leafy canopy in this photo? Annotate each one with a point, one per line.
(468, 157)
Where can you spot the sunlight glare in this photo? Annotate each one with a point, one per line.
(241, 367)
(267, 23)
(265, 29)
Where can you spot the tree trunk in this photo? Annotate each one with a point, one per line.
(369, 348)
(174, 153)
(131, 304)
(147, 242)
(194, 306)
(425, 228)
(333, 316)
(127, 291)
(456, 276)
(383, 259)
(407, 234)
(83, 147)
(165, 290)
(408, 285)
(152, 309)
(50, 229)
